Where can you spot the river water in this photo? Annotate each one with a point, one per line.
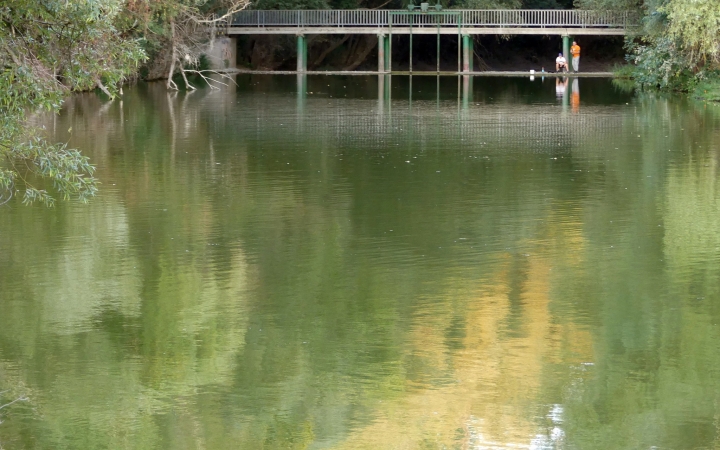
(376, 263)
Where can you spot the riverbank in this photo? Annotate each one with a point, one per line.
(708, 90)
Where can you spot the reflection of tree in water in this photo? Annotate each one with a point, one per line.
(232, 292)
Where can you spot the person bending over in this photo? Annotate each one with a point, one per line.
(561, 63)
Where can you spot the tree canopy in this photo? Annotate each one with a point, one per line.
(53, 47)
(680, 41)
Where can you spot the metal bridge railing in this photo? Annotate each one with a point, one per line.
(527, 18)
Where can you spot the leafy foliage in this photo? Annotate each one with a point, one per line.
(660, 65)
(299, 4)
(49, 49)
(680, 46)
(696, 25)
(626, 5)
(485, 4)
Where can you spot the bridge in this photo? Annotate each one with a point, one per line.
(427, 20)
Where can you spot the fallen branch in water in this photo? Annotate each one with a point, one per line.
(209, 80)
(19, 399)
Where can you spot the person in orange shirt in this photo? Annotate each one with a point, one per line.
(575, 52)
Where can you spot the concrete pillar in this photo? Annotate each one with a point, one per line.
(222, 53)
(472, 53)
(381, 91)
(388, 53)
(381, 53)
(566, 50)
(301, 53)
(467, 88)
(466, 53)
(301, 93)
(411, 53)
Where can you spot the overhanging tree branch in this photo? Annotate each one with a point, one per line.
(191, 32)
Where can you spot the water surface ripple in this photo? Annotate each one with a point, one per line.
(371, 263)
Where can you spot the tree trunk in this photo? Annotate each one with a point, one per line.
(170, 82)
(329, 50)
(354, 41)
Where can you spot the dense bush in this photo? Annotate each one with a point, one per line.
(680, 44)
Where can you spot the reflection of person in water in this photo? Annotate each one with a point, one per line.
(560, 86)
(575, 97)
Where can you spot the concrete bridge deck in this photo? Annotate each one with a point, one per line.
(547, 31)
(451, 22)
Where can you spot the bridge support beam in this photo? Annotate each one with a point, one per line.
(467, 53)
(381, 53)
(566, 50)
(301, 53)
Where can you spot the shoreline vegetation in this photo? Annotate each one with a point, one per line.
(708, 90)
(56, 47)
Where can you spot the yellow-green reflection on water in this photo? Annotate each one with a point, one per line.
(530, 266)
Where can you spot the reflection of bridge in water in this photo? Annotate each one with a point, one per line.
(385, 122)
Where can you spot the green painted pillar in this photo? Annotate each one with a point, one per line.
(301, 53)
(466, 56)
(387, 53)
(566, 50)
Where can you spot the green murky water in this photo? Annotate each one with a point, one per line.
(527, 265)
